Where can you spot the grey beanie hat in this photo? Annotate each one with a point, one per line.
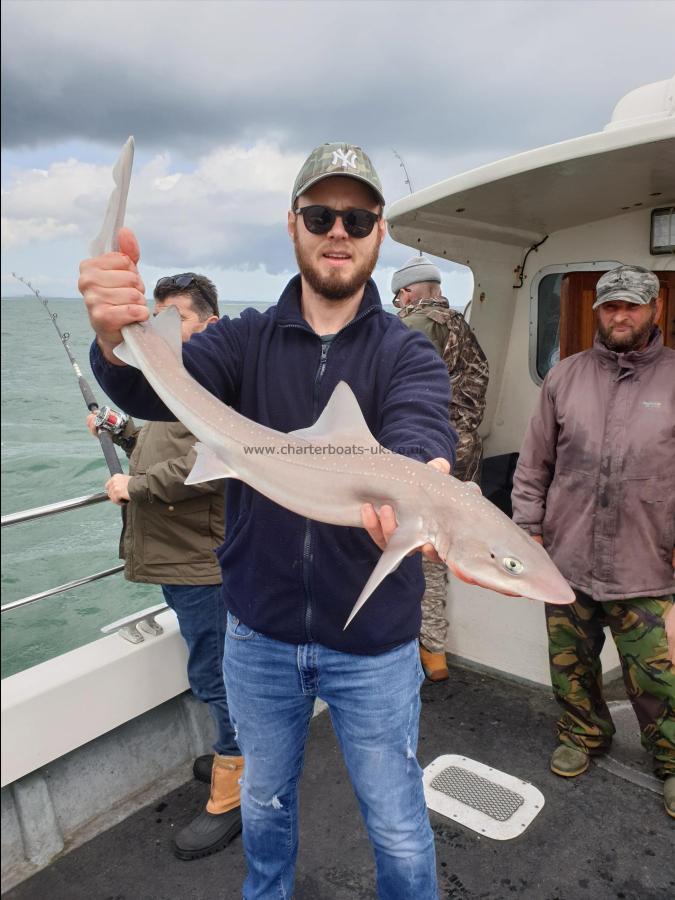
(416, 270)
(632, 284)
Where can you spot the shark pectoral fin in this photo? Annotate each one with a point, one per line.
(404, 539)
(208, 466)
(341, 422)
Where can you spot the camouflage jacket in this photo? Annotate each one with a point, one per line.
(467, 366)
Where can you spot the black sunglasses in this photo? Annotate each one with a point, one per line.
(358, 223)
(183, 282)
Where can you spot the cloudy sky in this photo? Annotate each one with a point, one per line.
(226, 99)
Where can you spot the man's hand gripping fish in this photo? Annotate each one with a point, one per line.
(305, 471)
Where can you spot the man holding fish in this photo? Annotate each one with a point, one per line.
(333, 409)
(290, 582)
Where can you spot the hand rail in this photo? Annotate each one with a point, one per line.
(15, 604)
(51, 509)
(132, 626)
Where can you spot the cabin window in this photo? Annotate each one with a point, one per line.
(548, 322)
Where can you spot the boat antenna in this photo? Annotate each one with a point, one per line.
(104, 434)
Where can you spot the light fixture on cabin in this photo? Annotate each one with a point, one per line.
(662, 237)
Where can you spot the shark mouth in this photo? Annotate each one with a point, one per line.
(459, 573)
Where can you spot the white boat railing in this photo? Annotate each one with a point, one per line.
(128, 628)
(50, 509)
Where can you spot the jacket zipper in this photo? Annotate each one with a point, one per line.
(307, 543)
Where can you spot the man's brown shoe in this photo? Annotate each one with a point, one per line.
(669, 795)
(569, 761)
(435, 665)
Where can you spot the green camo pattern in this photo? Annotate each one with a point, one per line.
(434, 627)
(576, 638)
(468, 369)
(336, 159)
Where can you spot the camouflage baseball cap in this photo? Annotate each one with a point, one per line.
(630, 283)
(336, 159)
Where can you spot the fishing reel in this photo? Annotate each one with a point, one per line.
(111, 420)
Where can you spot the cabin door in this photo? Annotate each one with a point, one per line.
(577, 319)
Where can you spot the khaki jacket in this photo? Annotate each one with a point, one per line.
(171, 530)
(596, 473)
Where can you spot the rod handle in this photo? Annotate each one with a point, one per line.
(114, 465)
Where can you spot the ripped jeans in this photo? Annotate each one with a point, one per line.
(374, 706)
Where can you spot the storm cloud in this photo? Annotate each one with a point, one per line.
(225, 99)
(479, 75)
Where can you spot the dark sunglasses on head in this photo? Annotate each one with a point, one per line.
(178, 281)
(358, 223)
(183, 282)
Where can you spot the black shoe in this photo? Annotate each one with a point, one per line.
(207, 834)
(202, 768)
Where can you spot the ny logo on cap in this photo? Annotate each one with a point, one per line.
(344, 158)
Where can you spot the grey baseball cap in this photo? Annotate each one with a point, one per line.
(416, 270)
(327, 160)
(633, 284)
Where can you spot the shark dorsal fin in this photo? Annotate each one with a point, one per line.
(341, 421)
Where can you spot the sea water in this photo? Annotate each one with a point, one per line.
(48, 455)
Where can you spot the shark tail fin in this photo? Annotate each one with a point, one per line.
(406, 538)
(208, 466)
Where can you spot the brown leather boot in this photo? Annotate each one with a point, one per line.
(435, 665)
(225, 790)
(220, 822)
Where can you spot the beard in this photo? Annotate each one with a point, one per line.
(634, 339)
(335, 285)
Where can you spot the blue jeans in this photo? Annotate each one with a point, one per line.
(201, 618)
(374, 705)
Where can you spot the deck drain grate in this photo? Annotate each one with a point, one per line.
(492, 803)
(477, 792)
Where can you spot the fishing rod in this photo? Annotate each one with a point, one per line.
(406, 179)
(405, 171)
(108, 421)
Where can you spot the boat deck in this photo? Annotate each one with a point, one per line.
(598, 836)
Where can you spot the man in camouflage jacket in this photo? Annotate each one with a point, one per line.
(417, 294)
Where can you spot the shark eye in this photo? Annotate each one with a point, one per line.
(513, 566)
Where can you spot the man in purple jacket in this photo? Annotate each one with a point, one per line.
(595, 483)
(288, 582)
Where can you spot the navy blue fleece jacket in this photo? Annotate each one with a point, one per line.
(290, 578)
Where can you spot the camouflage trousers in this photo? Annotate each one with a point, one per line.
(434, 628)
(469, 456)
(576, 637)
